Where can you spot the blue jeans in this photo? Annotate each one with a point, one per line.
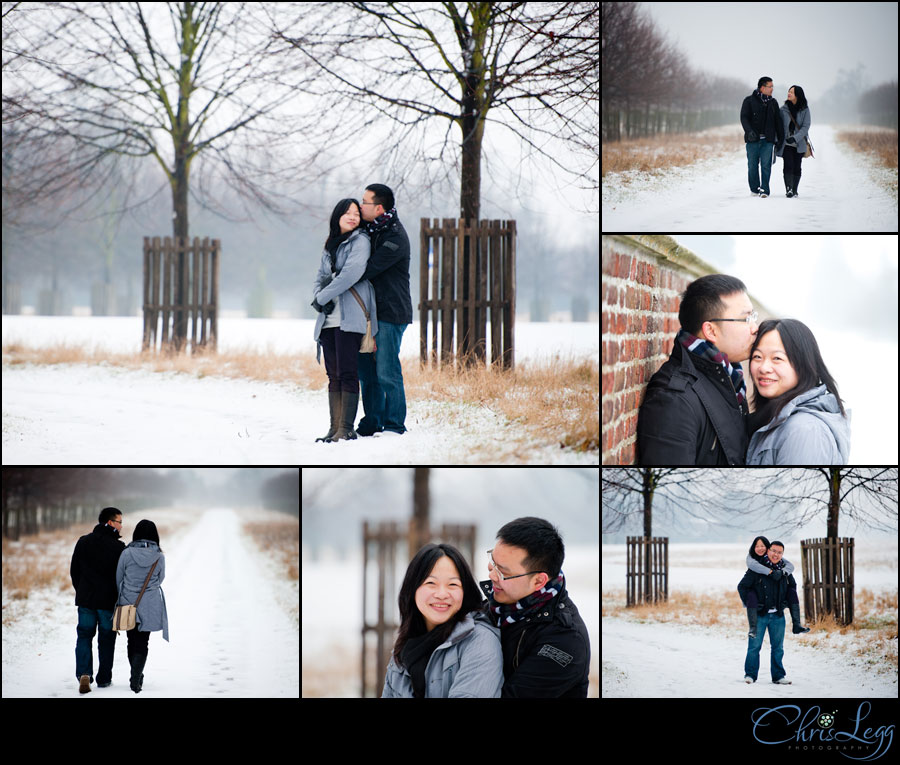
(381, 380)
(775, 624)
(759, 154)
(88, 619)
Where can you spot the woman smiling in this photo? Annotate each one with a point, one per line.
(441, 651)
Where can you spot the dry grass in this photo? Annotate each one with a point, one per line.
(879, 142)
(280, 540)
(557, 400)
(663, 152)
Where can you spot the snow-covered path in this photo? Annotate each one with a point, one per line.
(228, 635)
(668, 660)
(836, 194)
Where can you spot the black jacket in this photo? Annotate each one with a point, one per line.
(769, 592)
(761, 120)
(93, 568)
(388, 270)
(547, 655)
(690, 415)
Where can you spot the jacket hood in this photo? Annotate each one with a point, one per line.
(144, 551)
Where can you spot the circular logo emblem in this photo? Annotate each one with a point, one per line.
(826, 721)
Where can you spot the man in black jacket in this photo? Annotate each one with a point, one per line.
(771, 596)
(763, 133)
(380, 375)
(546, 648)
(695, 408)
(93, 573)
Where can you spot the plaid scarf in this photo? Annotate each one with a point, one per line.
(510, 614)
(706, 350)
(381, 222)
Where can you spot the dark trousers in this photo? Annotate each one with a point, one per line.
(792, 161)
(88, 621)
(341, 353)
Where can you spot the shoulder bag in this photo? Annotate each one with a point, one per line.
(368, 342)
(125, 617)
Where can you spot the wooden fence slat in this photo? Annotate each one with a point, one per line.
(166, 318)
(647, 570)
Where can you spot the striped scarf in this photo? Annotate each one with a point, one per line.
(706, 350)
(381, 222)
(510, 614)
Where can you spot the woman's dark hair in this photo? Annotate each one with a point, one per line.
(801, 101)
(753, 554)
(108, 513)
(146, 530)
(702, 300)
(541, 541)
(803, 355)
(381, 195)
(335, 237)
(412, 623)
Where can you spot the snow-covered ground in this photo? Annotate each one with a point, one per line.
(230, 629)
(83, 414)
(684, 658)
(837, 193)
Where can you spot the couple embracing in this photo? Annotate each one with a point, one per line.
(361, 292)
(768, 587)
(526, 640)
(695, 409)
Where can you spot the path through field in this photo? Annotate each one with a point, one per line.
(668, 660)
(837, 193)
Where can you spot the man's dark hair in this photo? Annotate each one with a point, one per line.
(540, 539)
(108, 513)
(702, 300)
(780, 544)
(382, 195)
(763, 81)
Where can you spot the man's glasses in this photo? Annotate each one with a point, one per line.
(493, 567)
(751, 319)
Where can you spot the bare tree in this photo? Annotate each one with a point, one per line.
(531, 68)
(98, 83)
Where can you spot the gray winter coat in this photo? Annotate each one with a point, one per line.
(803, 123)
(351, 258)
(134, 563)
(809, 430)
(469, 664)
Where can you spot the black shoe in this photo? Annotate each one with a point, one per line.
(751, 619)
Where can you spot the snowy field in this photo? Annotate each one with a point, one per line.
(837, 193)
(643, 658)
(82, 414)
(230, 630)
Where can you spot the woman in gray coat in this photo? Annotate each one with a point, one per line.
(134, 564)
(442, 650)
(341, 323)
(799, 417)
(796, 119)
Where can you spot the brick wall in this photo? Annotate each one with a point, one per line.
(643, 277)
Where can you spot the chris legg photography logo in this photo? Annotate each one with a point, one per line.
(826, 730)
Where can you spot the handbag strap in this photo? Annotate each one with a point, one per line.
(146, 581)
(359, 300)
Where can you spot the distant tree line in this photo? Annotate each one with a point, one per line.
(878, 106)
(648, 87)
